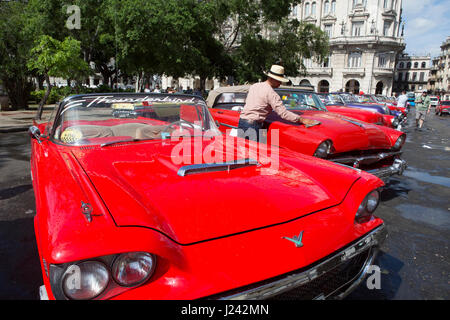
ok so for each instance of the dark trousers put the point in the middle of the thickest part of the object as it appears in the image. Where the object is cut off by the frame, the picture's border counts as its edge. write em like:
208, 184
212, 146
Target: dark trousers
249, 130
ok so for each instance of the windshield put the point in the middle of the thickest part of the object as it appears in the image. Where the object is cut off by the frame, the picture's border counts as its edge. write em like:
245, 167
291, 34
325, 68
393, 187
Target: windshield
445, 103
348, 98
94, 119
298, 100
330, 98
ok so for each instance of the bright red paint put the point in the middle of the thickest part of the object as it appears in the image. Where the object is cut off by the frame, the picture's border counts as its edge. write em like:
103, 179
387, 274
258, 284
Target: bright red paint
349, 137
211, 232
442, 107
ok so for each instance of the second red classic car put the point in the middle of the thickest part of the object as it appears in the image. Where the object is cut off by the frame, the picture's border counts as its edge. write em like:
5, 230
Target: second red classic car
128, 206
443, 108
375, 149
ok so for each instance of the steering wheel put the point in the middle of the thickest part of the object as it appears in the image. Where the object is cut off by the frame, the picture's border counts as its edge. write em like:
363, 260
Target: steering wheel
175, 123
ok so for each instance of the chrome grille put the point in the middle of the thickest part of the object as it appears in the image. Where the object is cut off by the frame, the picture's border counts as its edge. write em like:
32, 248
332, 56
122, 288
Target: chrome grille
334, 280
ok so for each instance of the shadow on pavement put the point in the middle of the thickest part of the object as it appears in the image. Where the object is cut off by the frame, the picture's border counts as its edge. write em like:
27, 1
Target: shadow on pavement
14, 191
20, 271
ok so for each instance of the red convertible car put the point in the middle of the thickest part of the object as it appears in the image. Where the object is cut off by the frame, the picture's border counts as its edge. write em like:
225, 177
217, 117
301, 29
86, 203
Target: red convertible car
341, 139
443, 107
334, 103
128, 206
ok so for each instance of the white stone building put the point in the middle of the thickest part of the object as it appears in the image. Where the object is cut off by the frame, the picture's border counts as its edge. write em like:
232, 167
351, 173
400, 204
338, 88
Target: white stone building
440, 72
365, 38
412, 73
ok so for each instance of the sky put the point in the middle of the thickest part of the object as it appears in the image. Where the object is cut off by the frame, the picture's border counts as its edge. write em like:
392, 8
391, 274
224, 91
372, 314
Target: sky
427, 25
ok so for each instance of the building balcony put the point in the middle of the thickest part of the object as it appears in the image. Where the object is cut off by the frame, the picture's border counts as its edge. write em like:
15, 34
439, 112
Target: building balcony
379, 71
370, 40
354, 72
318, 71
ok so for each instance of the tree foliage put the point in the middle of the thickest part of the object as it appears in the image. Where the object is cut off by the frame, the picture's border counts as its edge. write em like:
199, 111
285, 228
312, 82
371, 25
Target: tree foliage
53, 58
205, 38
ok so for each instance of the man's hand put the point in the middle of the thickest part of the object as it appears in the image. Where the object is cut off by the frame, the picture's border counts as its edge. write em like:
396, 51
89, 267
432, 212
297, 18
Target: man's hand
309, 122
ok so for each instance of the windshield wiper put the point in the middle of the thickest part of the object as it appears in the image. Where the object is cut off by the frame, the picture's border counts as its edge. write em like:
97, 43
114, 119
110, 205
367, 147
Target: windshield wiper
310, 105
120, 141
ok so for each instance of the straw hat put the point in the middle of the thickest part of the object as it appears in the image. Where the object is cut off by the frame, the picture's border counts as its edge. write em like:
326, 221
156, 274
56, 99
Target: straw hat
277, 72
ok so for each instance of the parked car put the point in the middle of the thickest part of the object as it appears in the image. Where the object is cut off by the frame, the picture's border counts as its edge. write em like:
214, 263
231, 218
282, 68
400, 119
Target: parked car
396, 119
119, 216
394, 110
443, 107
376, 149
334, 103
411, 99
434, 101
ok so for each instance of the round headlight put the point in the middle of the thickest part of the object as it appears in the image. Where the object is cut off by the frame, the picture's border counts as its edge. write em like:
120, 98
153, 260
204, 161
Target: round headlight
399, 143
323, 150
85, 280
373, 199
133, 268
367, 207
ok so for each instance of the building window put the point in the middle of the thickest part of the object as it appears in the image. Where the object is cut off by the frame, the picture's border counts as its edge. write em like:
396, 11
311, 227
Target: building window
386, 4
333, 6
357, 28
326, 7
424, 65
414, 78
416, 65
422, 76
400, 66
307, 63
386, 28
408, 65
313, 9
326, 63
407, 76
294, 10
328, 28
354, 60
307, 6
381, 61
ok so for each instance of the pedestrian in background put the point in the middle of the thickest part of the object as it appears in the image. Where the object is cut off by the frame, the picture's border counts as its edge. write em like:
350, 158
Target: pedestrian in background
422, 108
402, 99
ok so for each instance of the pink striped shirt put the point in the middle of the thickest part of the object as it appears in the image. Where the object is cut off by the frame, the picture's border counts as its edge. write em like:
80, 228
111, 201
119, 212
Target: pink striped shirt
261, 100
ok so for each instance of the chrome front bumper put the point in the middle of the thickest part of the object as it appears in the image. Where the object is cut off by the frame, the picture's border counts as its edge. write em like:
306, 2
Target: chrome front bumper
397, 167
268, 289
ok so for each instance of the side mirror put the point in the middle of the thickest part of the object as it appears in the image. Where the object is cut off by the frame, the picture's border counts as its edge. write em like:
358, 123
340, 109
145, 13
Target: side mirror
35, 133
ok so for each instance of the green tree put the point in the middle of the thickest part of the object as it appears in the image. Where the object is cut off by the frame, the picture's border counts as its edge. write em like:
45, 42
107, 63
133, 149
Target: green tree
258, 33
14, 49
54, 58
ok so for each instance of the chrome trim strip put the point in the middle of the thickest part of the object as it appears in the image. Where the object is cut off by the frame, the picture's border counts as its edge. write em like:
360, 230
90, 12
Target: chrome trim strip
371, 241
361, 159
227, 125
211, 167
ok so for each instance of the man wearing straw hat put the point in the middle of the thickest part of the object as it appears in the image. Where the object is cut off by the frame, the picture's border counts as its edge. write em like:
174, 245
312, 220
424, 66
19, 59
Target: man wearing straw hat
261, 100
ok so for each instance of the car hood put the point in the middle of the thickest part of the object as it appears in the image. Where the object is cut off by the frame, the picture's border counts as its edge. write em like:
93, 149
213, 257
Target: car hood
349, 134
141, 186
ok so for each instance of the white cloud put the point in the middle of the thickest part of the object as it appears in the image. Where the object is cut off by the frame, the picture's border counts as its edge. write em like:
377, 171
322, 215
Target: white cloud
427, 25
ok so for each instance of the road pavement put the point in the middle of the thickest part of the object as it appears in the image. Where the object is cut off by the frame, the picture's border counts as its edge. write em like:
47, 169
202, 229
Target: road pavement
414, 261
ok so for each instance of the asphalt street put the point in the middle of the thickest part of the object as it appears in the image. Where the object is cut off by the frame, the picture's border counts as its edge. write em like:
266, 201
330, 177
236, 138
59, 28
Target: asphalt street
414, 260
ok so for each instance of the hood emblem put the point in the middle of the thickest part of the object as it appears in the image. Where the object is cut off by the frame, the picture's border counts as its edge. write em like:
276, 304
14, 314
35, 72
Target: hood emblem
86, 210
296, 240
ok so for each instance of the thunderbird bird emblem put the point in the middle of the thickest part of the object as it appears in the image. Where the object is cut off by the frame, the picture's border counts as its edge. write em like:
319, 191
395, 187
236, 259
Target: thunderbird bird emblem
296, 240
